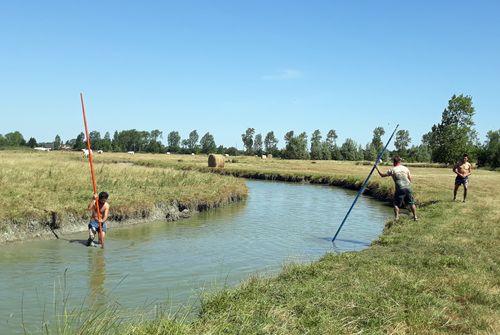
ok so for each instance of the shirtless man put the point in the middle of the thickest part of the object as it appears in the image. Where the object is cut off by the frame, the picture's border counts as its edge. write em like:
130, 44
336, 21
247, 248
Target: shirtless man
402, 180
463, 170
94, 223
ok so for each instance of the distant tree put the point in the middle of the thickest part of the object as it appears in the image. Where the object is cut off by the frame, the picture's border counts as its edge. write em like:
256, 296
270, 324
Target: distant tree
377, 138
191, 143
79, 142
489, 153
156, 135
296, 146
350, 150
455, 134
95, 140
325, 151
402, 142
271, 143
154, 145
116, 144
3, 141
220, 150
15, 139
57, 142
106, 143
174, 141
370, 153
331, 141
31, 143
247, 139
207, 143
232, 151
257, 145
316, 149
420, 153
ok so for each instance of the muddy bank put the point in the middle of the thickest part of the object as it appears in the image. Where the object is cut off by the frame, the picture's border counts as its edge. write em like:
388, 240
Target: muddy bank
55, 225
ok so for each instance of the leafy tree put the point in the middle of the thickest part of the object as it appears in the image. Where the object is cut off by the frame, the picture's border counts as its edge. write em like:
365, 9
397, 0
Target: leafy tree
79, 142
3, 141
232, 151
95, 140
331, 141
247, 139
154, 144
316, 148
402, 142
455, 134
106, 143
257, 144
271, 143
489, 154
57, 142
420, 153
325, 151
174, 141
191, 143
377, 139
296, 146
370, 153
207, 143
350, 151
31, 143
156, 135
15, 139
117, 145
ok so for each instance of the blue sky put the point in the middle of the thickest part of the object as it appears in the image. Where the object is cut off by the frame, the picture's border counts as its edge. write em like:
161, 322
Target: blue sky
223, 66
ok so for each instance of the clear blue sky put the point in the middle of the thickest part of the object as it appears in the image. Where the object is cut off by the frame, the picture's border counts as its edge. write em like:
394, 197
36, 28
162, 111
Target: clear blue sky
223, 66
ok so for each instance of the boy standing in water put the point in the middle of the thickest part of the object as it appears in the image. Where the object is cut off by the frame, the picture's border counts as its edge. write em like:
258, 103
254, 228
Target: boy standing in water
463, 170
402, 180
94, 223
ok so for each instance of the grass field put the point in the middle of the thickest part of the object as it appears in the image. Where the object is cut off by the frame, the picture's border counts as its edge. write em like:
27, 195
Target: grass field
437, 275
35, 185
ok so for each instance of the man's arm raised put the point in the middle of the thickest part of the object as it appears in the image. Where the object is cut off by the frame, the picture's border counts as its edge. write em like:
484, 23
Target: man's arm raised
380, 173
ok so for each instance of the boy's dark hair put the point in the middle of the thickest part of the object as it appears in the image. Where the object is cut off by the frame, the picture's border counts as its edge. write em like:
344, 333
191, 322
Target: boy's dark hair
465, 155
396, 159
103, 196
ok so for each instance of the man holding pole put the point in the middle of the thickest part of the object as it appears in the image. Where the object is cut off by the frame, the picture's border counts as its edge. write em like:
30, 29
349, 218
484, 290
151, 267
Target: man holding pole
98, 202
403, 192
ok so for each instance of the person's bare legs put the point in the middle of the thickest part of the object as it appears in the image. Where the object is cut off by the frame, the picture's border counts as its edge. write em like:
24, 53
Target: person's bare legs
455, 192
91, 237
396, 212
414, 211
465, 191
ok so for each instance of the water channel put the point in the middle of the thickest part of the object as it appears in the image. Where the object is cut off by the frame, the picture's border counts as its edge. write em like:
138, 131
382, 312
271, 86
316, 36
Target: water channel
172, 263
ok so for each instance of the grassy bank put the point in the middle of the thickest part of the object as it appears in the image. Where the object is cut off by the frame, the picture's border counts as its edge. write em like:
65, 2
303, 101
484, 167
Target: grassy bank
437, 275
54, 188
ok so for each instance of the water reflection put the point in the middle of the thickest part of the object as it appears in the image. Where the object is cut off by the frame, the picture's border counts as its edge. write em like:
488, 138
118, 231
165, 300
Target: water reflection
97, 277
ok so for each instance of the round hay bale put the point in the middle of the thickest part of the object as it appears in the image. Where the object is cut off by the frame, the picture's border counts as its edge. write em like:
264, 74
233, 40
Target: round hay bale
215, 161
263, 157
269, 156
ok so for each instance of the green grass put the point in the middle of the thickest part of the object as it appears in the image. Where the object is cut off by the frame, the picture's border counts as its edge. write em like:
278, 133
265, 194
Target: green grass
438, 275
36, 185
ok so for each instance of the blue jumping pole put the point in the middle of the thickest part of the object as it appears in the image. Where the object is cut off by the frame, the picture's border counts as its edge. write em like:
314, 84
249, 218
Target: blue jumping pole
365, 183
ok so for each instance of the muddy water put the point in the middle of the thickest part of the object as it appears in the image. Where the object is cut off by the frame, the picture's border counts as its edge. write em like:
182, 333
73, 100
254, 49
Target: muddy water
172, 263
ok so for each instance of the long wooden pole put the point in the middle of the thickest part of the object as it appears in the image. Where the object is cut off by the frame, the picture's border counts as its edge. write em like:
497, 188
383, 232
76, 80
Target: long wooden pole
92, 174
364, 184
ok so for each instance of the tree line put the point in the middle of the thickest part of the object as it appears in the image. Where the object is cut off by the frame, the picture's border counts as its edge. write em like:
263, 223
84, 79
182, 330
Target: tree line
445, 142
